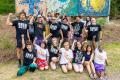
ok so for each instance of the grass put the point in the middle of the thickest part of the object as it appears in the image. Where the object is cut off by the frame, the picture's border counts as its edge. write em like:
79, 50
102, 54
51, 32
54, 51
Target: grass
6, 44
113, 51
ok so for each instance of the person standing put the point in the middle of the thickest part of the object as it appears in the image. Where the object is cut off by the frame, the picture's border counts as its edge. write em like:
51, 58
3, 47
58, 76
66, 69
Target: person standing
77, 28
21, 25
94, 31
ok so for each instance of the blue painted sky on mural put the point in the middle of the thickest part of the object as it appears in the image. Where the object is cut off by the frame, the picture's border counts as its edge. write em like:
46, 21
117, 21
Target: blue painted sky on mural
31, 5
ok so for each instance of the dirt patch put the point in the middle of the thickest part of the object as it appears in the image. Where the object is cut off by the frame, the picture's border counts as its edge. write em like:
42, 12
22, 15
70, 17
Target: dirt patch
111, 32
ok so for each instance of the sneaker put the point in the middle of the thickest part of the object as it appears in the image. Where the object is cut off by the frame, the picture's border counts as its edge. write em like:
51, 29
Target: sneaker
91, 76
95, 76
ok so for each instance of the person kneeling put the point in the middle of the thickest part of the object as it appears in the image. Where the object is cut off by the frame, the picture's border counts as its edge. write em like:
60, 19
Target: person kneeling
66, 58
78, 59
42, 56
29, 58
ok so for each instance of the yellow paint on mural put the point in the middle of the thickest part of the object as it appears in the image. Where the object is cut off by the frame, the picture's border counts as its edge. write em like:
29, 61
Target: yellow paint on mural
97, 4
84, 3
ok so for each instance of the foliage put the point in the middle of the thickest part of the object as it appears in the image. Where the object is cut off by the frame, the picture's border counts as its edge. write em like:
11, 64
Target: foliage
115, 8
6, 43
101, 21
7, 6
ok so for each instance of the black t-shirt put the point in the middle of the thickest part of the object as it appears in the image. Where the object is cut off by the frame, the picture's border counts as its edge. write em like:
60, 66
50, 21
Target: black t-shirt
53, 50
21, 28
77, 27
78, 56
93, 30
28, 57
65, 29
39, 31
54, 29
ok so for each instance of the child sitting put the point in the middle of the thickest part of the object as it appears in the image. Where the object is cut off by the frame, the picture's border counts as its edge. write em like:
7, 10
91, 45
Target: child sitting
100, 60
78, 57
29, 58
66, 57
42, 56
89, 62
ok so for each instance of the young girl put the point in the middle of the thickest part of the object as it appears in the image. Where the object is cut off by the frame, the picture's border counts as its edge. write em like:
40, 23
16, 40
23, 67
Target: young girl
100, 60
29, 58
31, 29
21, 26
54, 52
39, 30
88, 21
66, 57
42, 56
65, 28
89, 62
78, 57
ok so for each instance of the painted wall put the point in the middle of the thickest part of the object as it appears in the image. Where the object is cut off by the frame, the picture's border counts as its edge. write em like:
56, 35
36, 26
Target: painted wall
68, 7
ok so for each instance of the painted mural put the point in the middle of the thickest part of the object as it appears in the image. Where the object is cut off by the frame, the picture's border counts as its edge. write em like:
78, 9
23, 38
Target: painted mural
68, 7
94, 7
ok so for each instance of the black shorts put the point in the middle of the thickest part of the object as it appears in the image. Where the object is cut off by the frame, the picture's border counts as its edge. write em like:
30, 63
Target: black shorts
19, 43
51, 56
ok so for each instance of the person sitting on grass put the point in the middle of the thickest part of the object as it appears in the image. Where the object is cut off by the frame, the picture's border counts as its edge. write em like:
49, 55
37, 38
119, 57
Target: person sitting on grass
78, 59
66, 57
89, 62
100, 60
29, 58
54, 53
42, 56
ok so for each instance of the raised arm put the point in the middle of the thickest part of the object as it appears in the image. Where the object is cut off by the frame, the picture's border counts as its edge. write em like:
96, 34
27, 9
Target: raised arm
73, 45
8, 22
23, 41
48, 36
61, 33
31, 20
28, 35
60, 44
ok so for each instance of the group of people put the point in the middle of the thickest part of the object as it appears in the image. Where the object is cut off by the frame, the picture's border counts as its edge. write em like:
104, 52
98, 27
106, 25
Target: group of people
54, 41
